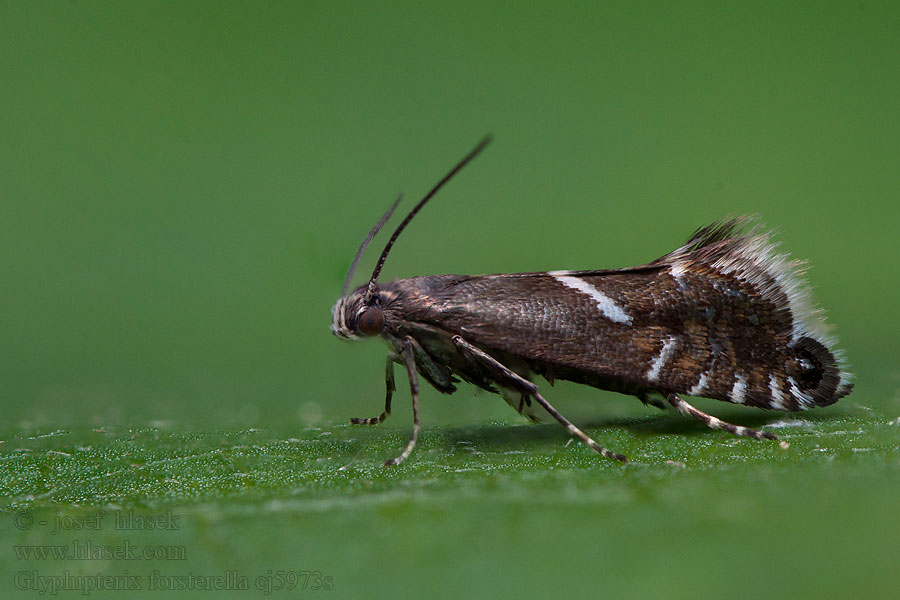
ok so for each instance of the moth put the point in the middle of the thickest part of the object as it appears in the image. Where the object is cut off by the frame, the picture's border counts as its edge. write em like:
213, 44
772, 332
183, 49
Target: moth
724, 317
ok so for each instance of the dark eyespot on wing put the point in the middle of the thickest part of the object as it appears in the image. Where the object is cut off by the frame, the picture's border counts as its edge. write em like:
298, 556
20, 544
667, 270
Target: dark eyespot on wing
818, 374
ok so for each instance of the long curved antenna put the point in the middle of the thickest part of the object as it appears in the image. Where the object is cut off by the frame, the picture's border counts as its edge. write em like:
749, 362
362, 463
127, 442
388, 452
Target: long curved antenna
362, 247
387, 248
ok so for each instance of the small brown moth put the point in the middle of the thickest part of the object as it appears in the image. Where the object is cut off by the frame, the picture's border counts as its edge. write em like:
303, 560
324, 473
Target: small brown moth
721, 317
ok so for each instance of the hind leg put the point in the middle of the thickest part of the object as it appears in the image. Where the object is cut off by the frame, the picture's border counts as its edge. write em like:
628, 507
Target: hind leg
716, 423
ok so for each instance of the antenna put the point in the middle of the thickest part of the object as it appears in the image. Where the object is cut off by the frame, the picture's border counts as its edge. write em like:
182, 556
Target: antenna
387, 248
365, 243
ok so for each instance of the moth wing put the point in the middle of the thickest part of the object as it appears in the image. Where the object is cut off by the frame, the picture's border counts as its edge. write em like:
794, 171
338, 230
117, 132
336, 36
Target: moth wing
723, 316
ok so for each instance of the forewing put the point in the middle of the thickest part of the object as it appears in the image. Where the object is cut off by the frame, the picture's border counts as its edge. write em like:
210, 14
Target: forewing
722, 317
604, 322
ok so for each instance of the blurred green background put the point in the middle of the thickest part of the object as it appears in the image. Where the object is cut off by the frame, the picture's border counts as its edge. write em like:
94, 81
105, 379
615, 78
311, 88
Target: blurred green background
183, 184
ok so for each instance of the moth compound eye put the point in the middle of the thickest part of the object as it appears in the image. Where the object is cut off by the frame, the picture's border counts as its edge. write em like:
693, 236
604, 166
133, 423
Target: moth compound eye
370, 321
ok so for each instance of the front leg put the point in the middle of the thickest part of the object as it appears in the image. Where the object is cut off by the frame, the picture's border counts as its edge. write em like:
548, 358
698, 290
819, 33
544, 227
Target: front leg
410, 359
505, 376
389, 389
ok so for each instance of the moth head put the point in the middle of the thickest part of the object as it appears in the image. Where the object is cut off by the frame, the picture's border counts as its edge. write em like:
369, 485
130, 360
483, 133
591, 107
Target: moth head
353, 318
361, 314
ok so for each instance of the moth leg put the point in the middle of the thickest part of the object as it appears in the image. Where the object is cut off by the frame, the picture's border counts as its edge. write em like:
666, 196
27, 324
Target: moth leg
653, 401
410, 359
519, 401
516, 381
716, 423
389, 389
524, 400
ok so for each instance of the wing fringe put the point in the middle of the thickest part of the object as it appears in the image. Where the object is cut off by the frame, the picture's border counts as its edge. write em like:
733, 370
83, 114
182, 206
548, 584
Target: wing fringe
742, 247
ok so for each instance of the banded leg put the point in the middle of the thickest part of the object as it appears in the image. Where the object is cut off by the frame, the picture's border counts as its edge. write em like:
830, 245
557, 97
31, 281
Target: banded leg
410, 360
389, 388
716, 423
512, 379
